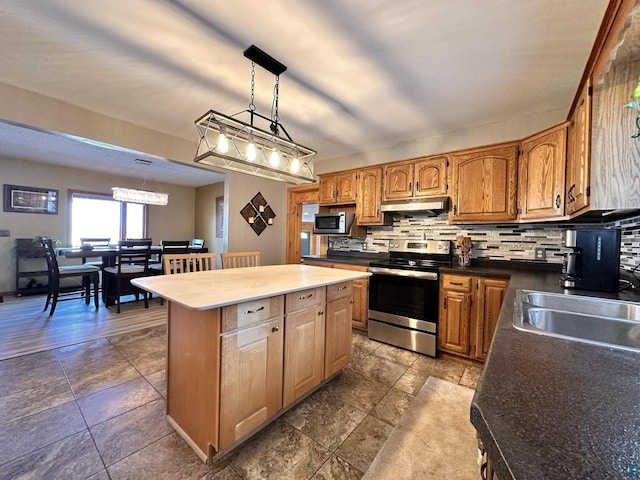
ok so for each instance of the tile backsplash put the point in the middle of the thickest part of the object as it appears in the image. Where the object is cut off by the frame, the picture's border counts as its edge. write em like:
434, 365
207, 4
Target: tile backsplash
494, 242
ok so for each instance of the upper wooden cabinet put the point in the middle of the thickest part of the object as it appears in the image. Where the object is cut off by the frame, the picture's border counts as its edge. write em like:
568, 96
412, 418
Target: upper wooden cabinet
484, 184
369, 197
541, 170
579, 154
425, 177
338, 188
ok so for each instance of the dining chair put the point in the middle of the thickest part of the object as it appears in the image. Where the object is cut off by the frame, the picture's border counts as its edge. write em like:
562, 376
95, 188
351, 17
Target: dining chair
197, 243
132, 261
240, 259
188, 262
88, 243
87, 273
168, 247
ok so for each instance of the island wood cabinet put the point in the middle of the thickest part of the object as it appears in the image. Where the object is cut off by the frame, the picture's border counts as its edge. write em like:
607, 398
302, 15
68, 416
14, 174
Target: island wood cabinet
360, 291
579, 154
426, 177
338, 188
542, 174
252, 368
484, 184
338, 331
469, 310
231, 370
369, 197
304, 343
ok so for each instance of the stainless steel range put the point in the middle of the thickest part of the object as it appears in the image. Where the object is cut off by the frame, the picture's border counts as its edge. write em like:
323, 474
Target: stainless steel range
403, 294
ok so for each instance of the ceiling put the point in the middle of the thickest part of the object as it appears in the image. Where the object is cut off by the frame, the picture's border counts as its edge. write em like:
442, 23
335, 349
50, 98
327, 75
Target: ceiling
362, 74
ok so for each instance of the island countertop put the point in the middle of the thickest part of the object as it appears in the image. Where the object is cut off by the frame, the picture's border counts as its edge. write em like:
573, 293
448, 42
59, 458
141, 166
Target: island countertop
218, 288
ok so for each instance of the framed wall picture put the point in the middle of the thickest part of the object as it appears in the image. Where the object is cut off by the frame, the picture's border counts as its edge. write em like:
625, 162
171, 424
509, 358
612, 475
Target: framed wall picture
219, 217
30, 199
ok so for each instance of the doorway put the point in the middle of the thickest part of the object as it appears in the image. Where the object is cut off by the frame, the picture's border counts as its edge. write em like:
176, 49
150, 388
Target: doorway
297, 200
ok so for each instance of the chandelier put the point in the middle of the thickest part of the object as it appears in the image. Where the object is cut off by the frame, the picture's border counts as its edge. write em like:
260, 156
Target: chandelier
229, 143
139, 196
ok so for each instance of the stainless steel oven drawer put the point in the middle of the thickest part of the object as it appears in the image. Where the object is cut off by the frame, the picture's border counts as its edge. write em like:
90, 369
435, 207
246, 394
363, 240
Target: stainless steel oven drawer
422, 325
402, 337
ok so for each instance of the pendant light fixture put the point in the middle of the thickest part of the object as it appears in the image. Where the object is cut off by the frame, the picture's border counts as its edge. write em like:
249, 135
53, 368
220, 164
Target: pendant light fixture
229, 143
131, 195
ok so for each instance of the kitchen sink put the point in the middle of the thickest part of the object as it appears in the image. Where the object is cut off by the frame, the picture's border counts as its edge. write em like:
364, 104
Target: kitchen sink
585, 319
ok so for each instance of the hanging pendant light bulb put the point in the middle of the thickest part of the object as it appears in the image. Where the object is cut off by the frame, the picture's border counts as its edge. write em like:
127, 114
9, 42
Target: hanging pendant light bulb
252, 153
223, 143
274, 158
295, 165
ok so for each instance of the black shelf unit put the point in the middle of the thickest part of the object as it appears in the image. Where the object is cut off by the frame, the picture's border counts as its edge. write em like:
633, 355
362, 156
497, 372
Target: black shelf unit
30, 281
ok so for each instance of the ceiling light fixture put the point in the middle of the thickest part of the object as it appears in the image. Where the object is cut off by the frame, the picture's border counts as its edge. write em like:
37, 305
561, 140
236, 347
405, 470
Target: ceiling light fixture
139, 196
232, 144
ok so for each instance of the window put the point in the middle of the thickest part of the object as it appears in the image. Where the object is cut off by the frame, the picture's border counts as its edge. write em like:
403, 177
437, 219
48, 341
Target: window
95, 215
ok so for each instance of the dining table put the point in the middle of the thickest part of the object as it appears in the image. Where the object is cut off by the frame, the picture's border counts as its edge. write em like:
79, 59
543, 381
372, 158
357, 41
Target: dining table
109, 255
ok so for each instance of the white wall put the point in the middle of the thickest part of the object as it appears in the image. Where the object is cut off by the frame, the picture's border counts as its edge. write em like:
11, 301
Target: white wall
240, 189
206, 211
176, 221
505, 131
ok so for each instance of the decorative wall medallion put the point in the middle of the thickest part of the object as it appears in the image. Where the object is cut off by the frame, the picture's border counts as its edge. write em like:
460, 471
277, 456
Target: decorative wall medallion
258, 214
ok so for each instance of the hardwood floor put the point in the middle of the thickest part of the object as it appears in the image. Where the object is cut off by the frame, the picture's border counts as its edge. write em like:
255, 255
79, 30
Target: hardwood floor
25, 328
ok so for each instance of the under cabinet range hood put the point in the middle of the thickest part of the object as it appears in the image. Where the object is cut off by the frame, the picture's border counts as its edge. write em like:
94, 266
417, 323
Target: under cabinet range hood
432, 206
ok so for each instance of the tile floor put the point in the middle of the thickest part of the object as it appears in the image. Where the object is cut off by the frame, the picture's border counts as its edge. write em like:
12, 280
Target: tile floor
96, 411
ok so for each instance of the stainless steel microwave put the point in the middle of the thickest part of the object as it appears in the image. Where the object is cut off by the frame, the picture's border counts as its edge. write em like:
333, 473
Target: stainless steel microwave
338, 223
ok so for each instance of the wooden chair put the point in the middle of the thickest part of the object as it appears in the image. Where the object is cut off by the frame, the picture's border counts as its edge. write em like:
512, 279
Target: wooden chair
240, 259
188, 262
132, 262
169, 247
88, 273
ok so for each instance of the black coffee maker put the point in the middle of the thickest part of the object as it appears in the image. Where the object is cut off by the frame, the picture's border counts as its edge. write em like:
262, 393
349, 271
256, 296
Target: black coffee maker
594, 260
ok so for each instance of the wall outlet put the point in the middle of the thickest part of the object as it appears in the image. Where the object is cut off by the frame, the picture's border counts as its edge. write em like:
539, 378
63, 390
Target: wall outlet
5, 233
540, 254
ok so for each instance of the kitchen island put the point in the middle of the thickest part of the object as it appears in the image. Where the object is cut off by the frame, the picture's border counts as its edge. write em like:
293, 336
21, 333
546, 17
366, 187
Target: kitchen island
246, 344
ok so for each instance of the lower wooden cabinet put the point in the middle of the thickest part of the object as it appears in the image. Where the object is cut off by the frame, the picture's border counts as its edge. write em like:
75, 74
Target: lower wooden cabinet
454, 321
250, 379
338, 335
281, 349
303, 352
469, 310
360, 308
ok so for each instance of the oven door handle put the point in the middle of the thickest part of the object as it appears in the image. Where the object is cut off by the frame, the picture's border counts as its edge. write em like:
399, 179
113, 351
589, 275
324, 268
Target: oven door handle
404, 273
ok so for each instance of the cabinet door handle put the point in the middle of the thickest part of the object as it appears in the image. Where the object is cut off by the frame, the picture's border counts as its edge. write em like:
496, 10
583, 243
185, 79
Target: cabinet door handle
377, 212
321, 312
410, 184
455, 210
254, 311
304, 298
341, 288
417, 186
558, 201
570, 193
444, 303
352, 302
456, 283
275, 329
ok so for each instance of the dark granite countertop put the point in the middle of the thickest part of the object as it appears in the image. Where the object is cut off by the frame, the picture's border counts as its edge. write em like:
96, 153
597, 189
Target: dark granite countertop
548, 408
351, 258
